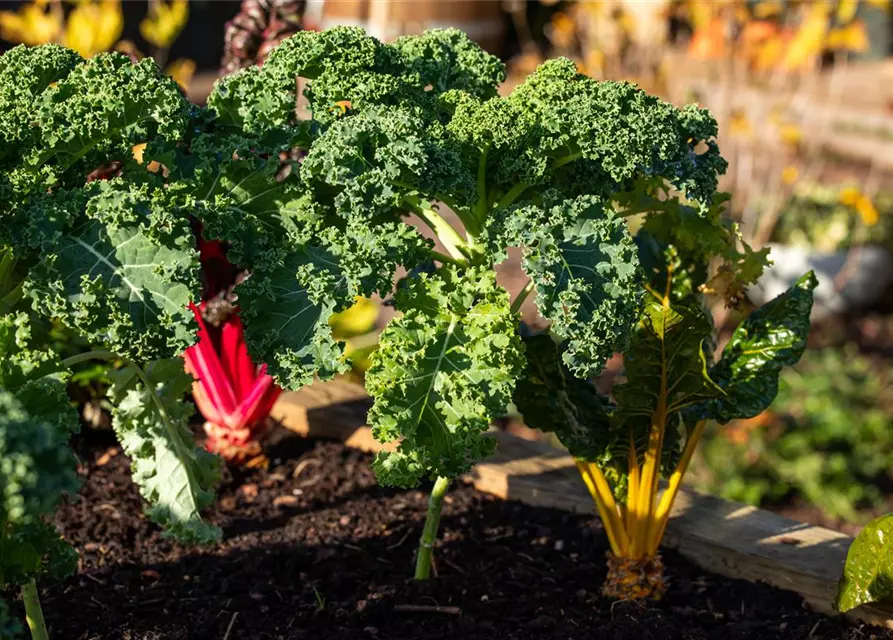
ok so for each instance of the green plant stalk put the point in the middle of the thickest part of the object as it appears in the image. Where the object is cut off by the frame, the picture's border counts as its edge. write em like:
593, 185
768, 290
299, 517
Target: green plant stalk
33, 612
522, 296
429, 533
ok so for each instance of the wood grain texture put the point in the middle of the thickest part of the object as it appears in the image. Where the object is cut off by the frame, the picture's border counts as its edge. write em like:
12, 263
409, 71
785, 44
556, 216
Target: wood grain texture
724, 537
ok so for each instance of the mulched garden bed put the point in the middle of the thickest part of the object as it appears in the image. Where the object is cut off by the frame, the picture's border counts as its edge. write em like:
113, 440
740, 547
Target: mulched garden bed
313, 548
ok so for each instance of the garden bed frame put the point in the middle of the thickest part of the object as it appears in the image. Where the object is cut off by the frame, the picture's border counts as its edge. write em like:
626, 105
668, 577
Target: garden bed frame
718, 535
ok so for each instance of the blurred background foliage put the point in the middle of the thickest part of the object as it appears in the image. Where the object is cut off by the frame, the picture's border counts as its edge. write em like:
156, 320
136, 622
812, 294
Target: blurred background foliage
827, 441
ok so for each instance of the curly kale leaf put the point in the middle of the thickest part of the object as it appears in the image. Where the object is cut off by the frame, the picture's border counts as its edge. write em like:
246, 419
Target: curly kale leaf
106, 104
553, 400
36, 465
379, 157
124, 277
561, 129
286, 305
152, 424
36, 420
446, 59
772, 337
25, 72
585, 267
344, 66
443, 371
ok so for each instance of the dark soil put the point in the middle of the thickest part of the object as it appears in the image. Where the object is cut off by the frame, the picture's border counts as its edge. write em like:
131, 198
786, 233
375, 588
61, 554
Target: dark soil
313, 548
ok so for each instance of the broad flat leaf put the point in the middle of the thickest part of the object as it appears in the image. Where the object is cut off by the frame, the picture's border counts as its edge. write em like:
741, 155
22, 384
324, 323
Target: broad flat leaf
585, 267
772, 337
868, 572
173, 475
120, 288
666, 372
553, 400
286, 308
442, 372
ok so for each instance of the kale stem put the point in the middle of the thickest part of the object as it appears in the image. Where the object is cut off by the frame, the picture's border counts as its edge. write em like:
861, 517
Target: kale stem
480, 208
33, 612
513, 194
99, 354
521, 297
442, 257
450, 238
429, 533
567, 159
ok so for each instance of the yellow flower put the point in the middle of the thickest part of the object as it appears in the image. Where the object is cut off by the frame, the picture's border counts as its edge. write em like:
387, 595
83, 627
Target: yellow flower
790, 174
739, 125
850, 196
866, 210
852, 37
164, 22
34, 23
94, 27
182, 71
790, 134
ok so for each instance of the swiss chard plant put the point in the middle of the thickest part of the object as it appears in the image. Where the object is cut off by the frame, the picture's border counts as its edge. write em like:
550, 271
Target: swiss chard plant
673, 384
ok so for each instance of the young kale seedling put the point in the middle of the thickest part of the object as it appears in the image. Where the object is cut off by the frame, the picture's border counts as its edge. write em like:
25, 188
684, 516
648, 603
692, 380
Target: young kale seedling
416, 127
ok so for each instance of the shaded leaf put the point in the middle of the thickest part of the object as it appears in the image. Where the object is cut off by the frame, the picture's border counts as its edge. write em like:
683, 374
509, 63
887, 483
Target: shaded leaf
553, 400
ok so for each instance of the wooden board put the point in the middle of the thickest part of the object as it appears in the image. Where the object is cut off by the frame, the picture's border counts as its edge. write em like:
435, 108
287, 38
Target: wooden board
724, 537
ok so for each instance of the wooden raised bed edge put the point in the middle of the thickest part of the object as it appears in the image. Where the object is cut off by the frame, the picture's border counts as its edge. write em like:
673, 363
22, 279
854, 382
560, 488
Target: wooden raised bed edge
720, 536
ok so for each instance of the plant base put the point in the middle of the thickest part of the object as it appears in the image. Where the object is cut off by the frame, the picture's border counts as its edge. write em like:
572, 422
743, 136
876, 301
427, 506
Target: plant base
635, 579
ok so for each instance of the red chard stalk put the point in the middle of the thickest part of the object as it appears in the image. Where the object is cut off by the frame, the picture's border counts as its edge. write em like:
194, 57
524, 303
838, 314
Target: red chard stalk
233, 394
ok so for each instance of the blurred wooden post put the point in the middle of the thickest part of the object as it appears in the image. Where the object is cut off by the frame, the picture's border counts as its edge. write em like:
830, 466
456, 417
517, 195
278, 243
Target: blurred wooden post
483, 20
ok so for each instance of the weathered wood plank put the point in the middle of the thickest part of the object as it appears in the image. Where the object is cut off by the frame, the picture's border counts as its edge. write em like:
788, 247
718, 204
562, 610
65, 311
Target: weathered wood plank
720, 536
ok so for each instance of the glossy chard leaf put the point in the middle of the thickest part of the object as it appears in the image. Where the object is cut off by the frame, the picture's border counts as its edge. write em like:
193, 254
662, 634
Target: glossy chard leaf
772, 337
442, 372
586, 270
553, 400
868, 572
151, 421
666, 373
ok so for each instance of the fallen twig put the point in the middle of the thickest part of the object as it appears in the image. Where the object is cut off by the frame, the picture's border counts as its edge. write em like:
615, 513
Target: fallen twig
426, 608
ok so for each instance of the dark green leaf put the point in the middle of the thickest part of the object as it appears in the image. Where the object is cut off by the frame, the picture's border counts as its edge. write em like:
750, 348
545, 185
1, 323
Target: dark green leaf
585, 267
553, 400
771, 337
666, 372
